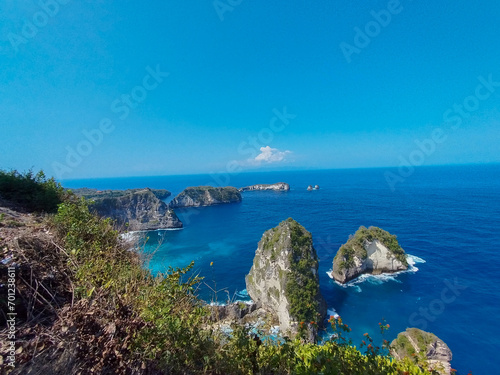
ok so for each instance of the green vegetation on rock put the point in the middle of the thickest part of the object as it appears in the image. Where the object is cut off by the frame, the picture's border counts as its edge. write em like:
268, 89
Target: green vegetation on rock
223, 194
354, 246
302, 288
205, 196
421, 338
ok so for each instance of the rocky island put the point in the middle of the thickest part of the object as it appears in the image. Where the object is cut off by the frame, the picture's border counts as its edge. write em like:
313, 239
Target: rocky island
280, 186
284, 280
135, 209
414, 342
370, 250
206, 196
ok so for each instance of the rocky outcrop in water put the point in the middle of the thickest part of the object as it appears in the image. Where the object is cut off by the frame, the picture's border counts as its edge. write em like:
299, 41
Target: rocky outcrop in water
370, 250
284, 279
137, 210
280, 186
414, 341
206, 196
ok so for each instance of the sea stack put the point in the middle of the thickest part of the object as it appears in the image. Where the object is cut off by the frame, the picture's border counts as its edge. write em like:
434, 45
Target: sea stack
370, 250
279, 186
414, 341
284, 280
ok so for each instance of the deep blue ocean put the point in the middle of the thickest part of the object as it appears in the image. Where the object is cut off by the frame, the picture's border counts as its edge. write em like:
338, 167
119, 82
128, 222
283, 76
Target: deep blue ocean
446, 217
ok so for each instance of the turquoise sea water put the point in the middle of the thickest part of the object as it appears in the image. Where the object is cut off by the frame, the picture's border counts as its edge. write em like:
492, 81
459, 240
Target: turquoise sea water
447, 217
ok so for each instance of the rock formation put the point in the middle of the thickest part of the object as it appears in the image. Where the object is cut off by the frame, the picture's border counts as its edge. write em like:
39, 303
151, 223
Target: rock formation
414, 341
280, 186
233, 312
141, 209
206, 196
284, 279
371, 250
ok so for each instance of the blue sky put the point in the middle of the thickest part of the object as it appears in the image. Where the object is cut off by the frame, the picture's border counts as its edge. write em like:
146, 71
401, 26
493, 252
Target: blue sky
250, 85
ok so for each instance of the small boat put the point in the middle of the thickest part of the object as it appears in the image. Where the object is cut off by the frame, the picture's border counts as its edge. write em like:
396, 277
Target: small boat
309, 188
316, 187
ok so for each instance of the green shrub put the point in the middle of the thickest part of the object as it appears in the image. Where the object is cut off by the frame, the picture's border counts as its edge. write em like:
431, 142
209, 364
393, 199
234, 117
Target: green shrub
34, 192
174, 333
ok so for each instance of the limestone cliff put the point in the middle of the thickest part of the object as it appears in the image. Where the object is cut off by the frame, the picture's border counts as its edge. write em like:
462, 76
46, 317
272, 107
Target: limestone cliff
414, 342
371, 250
206, 196
141, 209
280, 186
284, 279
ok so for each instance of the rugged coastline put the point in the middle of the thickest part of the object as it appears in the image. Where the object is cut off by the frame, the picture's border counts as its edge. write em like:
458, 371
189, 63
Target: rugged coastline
135, 209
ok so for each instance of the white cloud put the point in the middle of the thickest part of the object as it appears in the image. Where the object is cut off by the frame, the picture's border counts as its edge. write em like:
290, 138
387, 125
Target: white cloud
271, 155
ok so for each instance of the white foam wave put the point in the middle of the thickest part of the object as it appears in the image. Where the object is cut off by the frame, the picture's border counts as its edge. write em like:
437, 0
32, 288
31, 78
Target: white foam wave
332, 312
243, 294
412, 259
382, 278
132, 235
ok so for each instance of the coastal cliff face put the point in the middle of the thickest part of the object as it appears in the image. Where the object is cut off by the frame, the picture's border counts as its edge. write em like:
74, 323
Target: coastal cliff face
284, 279
371, 250
141, 209
99, 194
280, 186
206, 196
414, 341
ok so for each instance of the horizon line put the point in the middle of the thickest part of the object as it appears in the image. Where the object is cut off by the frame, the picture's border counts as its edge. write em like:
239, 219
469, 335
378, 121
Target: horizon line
296, 169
